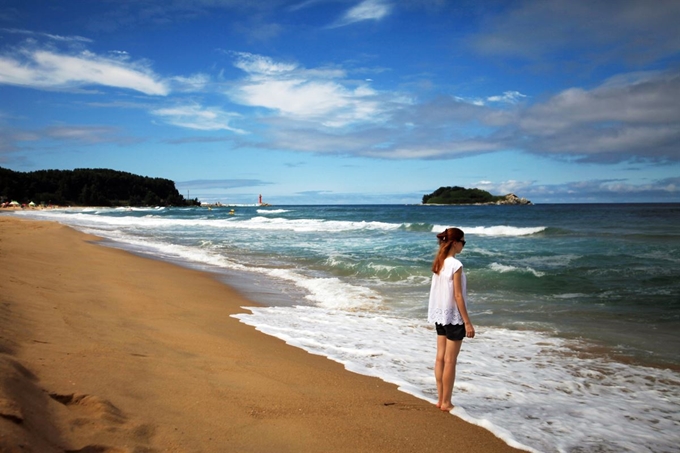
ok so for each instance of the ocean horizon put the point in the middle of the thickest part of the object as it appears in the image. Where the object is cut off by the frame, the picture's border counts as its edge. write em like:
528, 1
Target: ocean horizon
576, 306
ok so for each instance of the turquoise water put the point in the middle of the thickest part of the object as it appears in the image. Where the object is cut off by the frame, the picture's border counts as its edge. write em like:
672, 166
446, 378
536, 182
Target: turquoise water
578, 305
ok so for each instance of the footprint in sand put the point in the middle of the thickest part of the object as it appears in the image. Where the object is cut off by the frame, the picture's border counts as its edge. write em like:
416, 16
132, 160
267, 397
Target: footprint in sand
101, 417
97, 449
91, 406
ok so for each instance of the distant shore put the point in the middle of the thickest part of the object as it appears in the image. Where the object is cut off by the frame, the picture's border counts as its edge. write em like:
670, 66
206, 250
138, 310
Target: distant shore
102, 350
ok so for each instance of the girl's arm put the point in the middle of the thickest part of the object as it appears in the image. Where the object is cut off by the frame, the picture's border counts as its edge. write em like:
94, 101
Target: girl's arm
460, 303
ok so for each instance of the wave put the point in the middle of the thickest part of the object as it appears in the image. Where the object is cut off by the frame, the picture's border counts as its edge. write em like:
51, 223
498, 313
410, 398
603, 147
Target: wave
272, 211
382, 270
133, 209
331, 293
418, 227
498, 230
313, 225
262, 222
84, 218
502, 268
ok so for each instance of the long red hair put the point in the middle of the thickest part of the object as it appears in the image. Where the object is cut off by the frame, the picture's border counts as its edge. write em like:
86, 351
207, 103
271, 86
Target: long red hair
446, 240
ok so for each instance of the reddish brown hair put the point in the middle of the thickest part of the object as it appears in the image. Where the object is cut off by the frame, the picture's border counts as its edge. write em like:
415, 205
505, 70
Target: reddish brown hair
446, 240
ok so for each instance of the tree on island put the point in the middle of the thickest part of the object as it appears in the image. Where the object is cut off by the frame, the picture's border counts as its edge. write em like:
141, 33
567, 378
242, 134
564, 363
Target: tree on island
461, 195
89, 187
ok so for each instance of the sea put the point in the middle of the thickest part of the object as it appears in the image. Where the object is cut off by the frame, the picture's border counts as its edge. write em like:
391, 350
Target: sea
576, 306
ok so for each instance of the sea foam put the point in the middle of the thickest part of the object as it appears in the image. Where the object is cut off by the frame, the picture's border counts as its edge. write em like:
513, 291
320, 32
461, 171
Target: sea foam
535, 391
498, 230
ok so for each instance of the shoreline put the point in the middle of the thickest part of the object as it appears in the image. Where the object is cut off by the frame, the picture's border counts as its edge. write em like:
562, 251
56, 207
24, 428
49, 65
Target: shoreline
101, 348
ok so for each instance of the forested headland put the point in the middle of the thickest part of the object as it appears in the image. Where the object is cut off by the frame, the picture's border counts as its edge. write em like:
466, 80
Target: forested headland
461, 195
88, 187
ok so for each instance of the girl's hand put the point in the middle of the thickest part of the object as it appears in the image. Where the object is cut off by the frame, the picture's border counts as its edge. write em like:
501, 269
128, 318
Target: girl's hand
469, 330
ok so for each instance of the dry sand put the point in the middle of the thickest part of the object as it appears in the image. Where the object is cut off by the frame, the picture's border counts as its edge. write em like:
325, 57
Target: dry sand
104, 351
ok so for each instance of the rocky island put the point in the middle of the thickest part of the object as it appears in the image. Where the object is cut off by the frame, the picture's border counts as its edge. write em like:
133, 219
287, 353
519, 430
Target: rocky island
462, 196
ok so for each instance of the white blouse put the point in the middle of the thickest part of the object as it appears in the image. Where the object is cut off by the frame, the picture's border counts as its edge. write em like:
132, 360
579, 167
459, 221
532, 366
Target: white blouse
443, 309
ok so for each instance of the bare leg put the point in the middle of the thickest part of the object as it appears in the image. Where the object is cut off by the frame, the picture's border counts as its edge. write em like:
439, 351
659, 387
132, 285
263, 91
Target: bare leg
449, 373
439, 367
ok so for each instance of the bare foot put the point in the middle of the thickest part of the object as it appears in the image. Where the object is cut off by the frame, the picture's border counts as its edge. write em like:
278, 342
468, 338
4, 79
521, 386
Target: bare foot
446, 407
439, 405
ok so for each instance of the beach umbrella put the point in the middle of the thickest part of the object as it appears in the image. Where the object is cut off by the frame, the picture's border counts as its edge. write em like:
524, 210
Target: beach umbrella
14, 203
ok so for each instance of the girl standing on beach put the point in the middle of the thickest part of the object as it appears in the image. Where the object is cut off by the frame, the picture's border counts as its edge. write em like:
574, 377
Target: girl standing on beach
448, 310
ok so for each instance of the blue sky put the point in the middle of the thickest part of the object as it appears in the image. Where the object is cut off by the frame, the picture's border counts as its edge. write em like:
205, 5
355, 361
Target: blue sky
349, 101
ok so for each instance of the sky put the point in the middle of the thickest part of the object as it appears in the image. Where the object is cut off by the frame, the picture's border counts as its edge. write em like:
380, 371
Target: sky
349, 101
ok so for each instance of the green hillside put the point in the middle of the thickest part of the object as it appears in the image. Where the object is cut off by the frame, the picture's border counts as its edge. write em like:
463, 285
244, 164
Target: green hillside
88, 187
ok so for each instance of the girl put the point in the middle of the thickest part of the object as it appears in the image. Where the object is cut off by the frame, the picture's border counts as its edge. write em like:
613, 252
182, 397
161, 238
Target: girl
448, 310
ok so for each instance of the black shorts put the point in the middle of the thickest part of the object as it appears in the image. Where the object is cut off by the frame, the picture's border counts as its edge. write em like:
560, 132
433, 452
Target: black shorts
453, 332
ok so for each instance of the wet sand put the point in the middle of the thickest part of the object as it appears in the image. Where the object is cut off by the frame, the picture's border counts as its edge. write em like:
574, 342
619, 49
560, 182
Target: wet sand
105, 351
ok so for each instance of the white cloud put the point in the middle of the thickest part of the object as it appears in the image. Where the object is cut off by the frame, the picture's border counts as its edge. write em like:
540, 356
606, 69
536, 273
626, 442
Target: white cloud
319, 95
474, 101
261, 65
74, 39
72, 134
660, 190
203, 184
82, 134
366, 10
504, 187
195, 82
508, 97
44, 69
440, 150
197, 117
631, 116
332, 104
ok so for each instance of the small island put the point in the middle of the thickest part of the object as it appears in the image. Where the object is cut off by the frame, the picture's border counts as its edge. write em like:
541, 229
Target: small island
462, 196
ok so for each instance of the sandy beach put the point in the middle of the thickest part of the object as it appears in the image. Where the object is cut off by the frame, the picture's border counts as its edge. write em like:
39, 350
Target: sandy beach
105, 351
